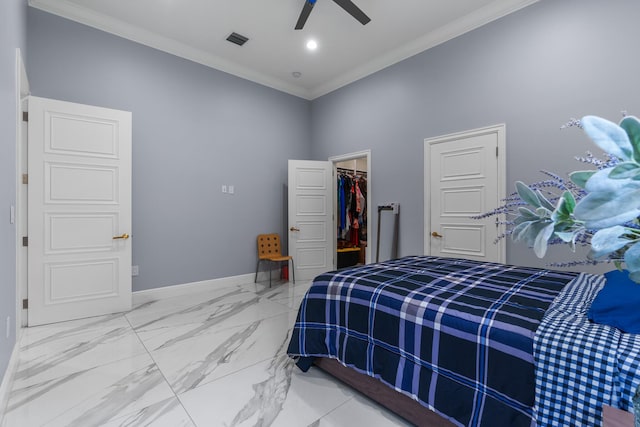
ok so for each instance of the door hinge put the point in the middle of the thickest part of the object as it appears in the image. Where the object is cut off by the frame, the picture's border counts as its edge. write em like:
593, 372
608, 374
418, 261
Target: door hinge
25, 116
25, 178
496, 151
25, 304
25, 241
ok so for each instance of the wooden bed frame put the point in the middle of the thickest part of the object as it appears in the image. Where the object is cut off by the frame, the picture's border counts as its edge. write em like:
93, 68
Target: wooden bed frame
396, 402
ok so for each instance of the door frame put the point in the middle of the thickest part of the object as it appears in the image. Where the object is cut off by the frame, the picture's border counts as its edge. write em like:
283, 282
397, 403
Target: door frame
342, 158
20, 209
500, 131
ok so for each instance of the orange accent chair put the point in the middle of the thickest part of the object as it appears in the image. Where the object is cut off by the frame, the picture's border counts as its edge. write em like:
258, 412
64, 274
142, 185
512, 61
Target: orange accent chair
269, 249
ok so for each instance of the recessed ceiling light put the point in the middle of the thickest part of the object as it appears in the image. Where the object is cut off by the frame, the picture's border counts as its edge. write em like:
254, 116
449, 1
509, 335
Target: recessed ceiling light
312, 45
296, 74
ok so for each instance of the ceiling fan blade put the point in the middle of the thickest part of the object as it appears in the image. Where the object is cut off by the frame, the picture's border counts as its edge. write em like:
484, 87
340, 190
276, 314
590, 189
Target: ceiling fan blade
306, 10
353, 10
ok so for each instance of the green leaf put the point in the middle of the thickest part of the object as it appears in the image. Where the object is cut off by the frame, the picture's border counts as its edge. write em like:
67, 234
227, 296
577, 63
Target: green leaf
541, 242
600, 181
604, 209
569, 201
564, 208
527, 194
520, 219
634, 276
566, 237
625, 170
631, 125
569, 238
608, 136
519, 229
543, 212
527, 214
607, 241
545, 202
632, 261
580, 178
529, 231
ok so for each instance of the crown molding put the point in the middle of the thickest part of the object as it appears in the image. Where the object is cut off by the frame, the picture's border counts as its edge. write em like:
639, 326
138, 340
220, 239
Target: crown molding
467, 23
476, 19
122, 29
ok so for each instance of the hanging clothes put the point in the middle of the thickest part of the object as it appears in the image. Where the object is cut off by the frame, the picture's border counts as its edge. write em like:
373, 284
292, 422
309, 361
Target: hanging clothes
358, 198
352, 208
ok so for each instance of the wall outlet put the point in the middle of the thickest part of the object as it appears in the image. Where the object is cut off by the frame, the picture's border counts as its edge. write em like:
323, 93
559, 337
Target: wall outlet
135, 270
8, 332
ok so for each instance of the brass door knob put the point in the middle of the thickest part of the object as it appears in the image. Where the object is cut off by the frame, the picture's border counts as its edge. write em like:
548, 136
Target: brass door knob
124, 236
294, 229
436, 234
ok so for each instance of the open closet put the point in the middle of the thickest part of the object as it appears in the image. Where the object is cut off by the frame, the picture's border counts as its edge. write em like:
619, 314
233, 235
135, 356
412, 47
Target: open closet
351, 212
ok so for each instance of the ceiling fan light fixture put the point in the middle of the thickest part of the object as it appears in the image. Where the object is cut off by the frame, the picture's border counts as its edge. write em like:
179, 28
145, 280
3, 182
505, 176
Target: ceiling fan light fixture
312, 45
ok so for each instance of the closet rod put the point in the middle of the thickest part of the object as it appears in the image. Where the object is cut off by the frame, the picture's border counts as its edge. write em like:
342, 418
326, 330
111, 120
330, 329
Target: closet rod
351, 171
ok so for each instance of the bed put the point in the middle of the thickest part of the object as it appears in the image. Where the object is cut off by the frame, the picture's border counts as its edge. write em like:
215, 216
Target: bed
444, 341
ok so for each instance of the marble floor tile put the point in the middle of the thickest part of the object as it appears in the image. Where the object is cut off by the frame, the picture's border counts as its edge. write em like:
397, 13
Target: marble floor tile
207, 359
360, 411
90, 397
167, 413
204, 358
47, 357
286, 293
186, 308
270, 393
40, 335
240, 308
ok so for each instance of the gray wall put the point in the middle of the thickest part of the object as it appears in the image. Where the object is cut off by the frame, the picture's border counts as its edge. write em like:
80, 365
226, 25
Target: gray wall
194, 129
533, 70
12, 35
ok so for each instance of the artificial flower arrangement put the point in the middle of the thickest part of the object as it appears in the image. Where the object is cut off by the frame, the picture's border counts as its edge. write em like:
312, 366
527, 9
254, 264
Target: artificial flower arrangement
598, 208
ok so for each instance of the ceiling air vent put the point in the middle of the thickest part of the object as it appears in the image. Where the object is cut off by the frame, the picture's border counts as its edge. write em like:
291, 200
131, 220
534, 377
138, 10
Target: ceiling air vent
238, 39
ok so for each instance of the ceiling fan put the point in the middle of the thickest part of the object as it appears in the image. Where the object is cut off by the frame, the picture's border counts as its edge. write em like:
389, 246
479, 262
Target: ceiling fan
347, 5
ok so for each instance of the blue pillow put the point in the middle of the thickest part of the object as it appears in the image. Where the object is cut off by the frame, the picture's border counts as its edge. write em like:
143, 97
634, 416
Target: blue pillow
618, 303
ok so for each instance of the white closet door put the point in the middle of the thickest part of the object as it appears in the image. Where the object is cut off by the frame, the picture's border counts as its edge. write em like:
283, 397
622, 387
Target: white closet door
311, 230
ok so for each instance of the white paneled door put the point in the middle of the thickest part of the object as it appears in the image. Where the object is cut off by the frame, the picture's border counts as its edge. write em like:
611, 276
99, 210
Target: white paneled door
464, 178
79, 220
311, 231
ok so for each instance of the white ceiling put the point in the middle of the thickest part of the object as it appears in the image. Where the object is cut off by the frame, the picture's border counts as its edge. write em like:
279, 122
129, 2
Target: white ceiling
348, 51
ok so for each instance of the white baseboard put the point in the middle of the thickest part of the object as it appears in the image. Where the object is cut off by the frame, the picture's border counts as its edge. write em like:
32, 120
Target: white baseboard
141, 297
7, 380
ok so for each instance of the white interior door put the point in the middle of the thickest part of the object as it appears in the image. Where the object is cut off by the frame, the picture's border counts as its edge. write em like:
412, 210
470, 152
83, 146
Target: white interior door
79, 204
464, 177
311, 233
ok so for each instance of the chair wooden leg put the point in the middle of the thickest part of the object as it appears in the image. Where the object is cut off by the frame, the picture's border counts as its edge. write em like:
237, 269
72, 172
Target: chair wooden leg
293, 271
270, 269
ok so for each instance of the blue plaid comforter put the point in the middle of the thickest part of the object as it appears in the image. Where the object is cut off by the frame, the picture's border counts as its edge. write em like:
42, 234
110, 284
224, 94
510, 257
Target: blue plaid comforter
456, 335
